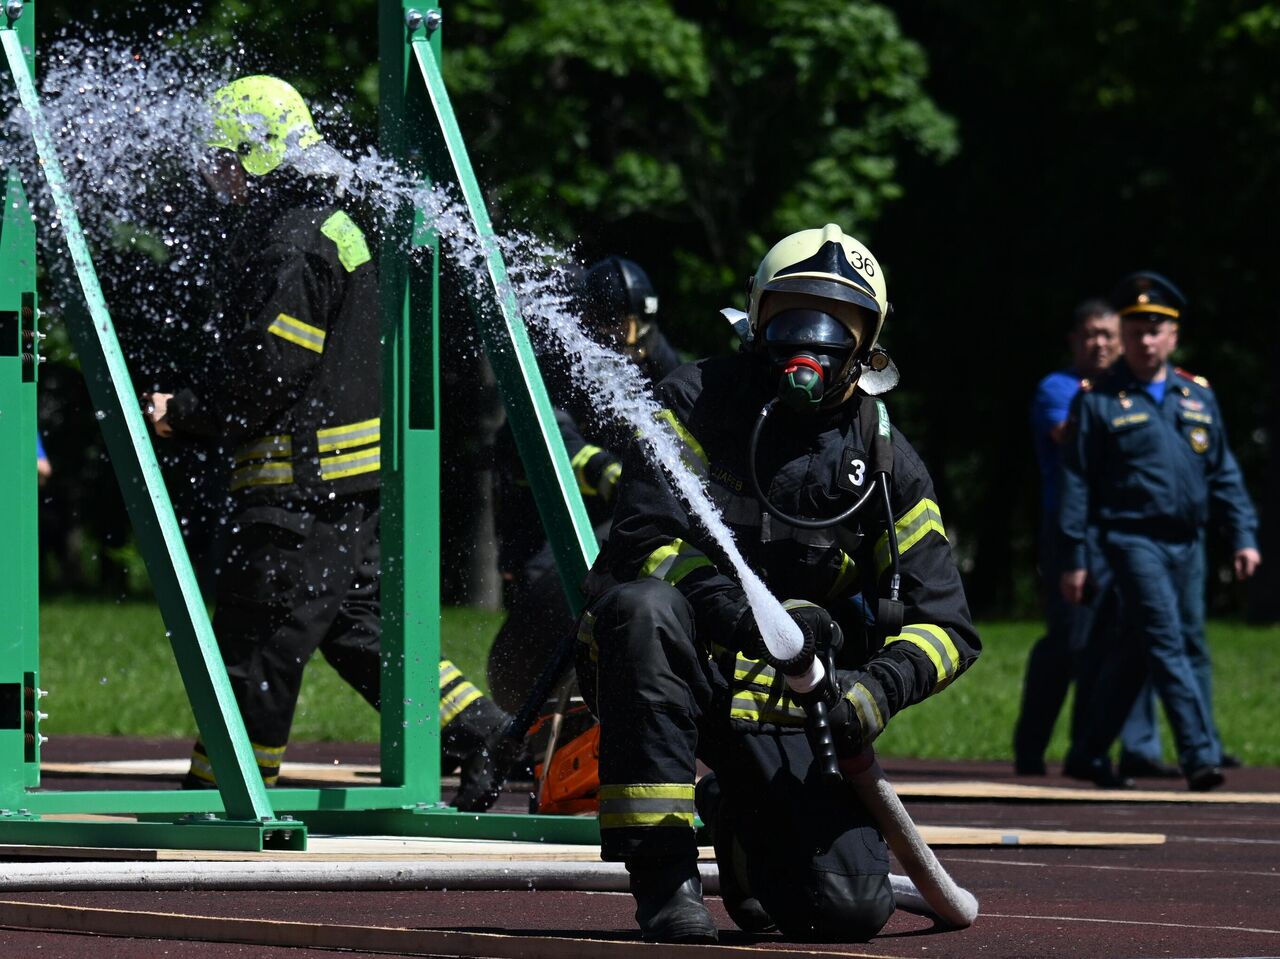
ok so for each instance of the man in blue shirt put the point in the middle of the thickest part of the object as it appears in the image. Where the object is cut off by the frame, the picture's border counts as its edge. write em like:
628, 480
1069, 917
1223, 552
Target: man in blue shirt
1146, 461
1056, 659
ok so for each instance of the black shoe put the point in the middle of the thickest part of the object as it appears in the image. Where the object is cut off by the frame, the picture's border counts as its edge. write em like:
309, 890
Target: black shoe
1230, 761
1140, 767
669, 906
731, 858
1030, 767
1098, 772
484, 772
1203, 778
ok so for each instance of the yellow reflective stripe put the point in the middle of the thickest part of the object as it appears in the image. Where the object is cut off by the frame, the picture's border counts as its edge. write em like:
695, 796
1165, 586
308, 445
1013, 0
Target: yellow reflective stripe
647, 791
350, 464
609, 478
864, 704
579, 464
936, 644
685, 436
448, 673
673, 562
621, 820
201, 768
266, 448
351, 434
295, 331
914, 525
845, 577
353, 251
765, 707
761, 695
268, 757
262, 474
646, 804
456, 701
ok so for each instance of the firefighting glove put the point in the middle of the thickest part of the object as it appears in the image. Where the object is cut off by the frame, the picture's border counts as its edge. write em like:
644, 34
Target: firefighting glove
817, 625
857, 718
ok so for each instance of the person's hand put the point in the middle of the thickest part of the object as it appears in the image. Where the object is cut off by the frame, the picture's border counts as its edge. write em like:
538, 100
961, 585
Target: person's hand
43, 471
1072, 585
815, 624
155, 406
1247, 562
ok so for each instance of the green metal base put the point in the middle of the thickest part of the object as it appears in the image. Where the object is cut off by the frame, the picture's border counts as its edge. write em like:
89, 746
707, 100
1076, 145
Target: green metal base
446, 823
190, 833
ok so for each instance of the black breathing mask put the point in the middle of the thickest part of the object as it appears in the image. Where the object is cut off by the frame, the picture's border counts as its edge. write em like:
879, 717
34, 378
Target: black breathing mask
810, 350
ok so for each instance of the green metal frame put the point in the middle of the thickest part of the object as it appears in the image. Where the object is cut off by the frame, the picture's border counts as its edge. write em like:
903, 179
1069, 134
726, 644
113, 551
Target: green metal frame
420, 131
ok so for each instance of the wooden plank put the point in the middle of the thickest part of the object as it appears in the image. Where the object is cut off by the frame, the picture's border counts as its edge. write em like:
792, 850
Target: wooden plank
941, 836
350, 773
11, 852
1016, 792
135, 924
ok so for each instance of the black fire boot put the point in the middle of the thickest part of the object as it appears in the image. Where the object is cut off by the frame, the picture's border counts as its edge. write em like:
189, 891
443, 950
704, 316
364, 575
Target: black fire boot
731, 858
474, 741
669, 906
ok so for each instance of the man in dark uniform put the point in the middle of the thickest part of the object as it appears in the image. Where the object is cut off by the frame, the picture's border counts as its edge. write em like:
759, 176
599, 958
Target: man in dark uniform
1054, 661
298, 400
671, 657
619, 307
1148, 462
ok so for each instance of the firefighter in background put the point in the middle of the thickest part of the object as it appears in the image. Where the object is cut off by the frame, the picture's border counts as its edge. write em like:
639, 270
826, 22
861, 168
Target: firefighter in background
671, 659
1147, 461
619, 309
298, 398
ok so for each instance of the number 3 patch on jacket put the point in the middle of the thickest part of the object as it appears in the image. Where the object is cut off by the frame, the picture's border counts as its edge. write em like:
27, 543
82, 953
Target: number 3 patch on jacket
853, 470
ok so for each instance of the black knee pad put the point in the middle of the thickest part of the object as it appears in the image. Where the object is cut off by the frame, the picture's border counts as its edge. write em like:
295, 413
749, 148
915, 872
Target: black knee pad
836, 908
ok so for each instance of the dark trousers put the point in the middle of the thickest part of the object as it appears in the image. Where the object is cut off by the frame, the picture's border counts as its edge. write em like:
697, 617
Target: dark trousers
295, 579
1161, 586
538, 618
816, 861
1076, 637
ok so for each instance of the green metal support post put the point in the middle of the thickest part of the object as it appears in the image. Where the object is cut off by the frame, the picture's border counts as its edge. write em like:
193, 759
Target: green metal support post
19, 582
150, 511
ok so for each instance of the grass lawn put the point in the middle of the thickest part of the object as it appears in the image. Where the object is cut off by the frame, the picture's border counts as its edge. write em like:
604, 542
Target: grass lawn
109, 670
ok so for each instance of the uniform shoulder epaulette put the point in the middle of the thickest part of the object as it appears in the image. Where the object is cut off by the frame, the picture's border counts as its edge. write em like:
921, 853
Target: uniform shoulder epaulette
1197, 380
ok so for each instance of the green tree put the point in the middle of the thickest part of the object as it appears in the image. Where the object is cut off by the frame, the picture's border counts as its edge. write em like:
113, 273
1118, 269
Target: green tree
690, 135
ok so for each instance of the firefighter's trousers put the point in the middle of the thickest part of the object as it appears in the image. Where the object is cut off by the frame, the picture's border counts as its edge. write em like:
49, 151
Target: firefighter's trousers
296, 577
814, 858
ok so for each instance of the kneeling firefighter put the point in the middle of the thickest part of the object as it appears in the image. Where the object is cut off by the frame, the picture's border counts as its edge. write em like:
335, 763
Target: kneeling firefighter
837, 514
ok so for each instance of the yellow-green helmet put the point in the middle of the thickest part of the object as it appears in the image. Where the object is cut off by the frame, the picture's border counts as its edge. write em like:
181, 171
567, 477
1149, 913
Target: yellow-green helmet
825, 264
260, 118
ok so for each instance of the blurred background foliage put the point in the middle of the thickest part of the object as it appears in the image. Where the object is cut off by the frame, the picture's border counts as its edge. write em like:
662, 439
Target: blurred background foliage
1004, 161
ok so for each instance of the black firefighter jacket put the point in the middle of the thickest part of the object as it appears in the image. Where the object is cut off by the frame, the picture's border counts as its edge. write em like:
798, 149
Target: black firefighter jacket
296, 392
712, 405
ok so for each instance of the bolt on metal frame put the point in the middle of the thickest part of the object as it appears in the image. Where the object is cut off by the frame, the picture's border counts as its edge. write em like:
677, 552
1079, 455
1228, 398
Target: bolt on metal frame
419, 130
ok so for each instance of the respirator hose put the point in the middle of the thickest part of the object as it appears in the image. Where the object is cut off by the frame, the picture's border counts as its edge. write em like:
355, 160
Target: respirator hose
753, 477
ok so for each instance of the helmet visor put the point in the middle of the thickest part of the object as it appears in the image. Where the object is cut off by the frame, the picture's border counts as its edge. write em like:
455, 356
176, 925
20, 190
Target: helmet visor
808, 328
